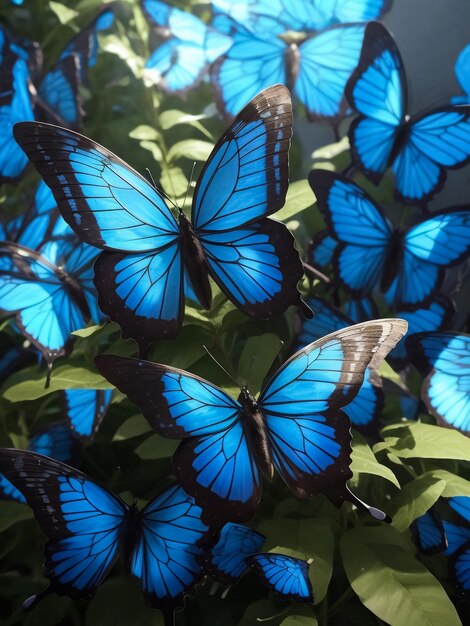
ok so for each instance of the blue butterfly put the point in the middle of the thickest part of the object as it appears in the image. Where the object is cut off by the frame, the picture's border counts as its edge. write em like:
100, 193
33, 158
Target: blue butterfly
456, 535
191, 46
408, 267
285, 575
462, 72
296, 426
445, 359
85, 410
88, 528
321, 250
461, 505
50, 290
429, 534
418, 149
365, 410
227, 560
53, 441
314, 65
140, 276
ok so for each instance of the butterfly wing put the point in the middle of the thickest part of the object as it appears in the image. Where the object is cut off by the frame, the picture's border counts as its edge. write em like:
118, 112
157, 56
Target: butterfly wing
462, 72
358, 224
214, 463
308, 433
56, 441
428, 533
445, 357
432, 144
456, 536
461, 505
59, 95
85, 410
367, 406
226, 561
284, 575
459, 570
360, 309
252, 259
166, 554
359, 10
82, 521
377, 91
321, 250
326, 62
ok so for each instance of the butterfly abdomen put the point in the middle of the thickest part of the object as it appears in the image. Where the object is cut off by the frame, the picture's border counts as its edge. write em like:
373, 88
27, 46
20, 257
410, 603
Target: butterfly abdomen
255, 432
291, 62
194, 262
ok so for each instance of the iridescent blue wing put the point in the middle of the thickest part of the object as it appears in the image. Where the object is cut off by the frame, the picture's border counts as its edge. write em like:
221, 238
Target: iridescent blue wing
326, 62
456, 536
432, 144
9, 491
308, 433
57, 442
431, 319
461, 505
112, 207
321, 250
360, 309
459, 570
85, 410
166, 553
358, 10
428, 533
226, 561
284, 575
252, 259
355, 221
59, 95
377, 91
445, 358
181, 61
213, 463
252, 64
462, 72
365, 409
15, 106
83, 521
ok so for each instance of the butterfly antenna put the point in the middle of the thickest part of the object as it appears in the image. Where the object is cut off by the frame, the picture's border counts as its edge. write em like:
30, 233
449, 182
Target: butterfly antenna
160, 190
190, 182
221, 366
248, 378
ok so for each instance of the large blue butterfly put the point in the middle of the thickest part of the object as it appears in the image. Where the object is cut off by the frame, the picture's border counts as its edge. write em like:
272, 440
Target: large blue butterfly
140, 277
85, 409
462, 72
373, 255
50, 290
296, 426
445, 359
365, 410
285, 575
191, 46
55, 441
88, 528
227, 560
298, 48
419, 149
429, 534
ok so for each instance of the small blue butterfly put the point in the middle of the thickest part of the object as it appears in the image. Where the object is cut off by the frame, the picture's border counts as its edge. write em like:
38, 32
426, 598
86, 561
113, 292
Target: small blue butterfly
372, 254
419, 149
462, 72
296, 426
286, 576
54, 441
140, 276
88, 528
191, 46
429, 534
85, 409
445, 360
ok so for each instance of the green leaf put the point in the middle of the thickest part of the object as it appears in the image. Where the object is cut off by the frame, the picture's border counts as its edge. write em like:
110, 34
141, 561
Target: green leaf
86, 332
154, 149
364, 461
418, 440
144, 133
304, 539
12, 513
256, 359
193, 149
331, 151
455, 485
415, 498
64, 14
303, 616
173, 117
299, 197
119, 603
391, 583
173, 181
156, 447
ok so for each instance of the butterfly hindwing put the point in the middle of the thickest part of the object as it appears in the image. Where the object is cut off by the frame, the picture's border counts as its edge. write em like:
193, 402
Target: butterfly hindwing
85, 409
286, 576
428, 533
59, 95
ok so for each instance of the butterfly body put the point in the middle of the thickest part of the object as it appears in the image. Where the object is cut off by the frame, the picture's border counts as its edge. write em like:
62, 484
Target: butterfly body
194, 261
254, 427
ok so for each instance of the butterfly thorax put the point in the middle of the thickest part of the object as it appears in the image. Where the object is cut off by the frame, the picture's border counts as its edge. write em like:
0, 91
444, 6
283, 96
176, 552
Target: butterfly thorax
130, 531
194, 261
401, 136
291, 63
255, 431
392, 260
